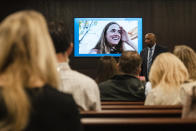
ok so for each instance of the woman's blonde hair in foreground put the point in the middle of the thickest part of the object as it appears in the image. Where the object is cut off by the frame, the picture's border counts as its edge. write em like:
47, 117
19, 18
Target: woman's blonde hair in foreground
167, 71
188, 57
26, 57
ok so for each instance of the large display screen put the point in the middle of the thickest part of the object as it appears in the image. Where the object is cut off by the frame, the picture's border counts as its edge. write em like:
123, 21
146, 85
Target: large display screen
94, 37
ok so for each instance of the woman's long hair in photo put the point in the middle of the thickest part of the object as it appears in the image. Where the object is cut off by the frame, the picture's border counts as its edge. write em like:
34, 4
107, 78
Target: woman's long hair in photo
103, 45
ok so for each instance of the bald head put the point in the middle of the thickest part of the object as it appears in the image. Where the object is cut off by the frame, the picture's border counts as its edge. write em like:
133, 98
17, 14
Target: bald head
150, 39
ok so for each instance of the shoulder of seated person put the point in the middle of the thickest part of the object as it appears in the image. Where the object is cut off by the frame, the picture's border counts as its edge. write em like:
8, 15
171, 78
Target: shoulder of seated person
188, 83
188, 86
83, 78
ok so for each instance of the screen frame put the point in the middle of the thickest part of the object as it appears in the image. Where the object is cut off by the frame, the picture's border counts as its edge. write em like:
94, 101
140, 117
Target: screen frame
76, 35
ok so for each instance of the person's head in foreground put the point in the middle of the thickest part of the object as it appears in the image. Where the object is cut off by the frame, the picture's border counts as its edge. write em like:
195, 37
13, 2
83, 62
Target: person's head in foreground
167, 74
130, 63
27, 60
167, 70
61, 39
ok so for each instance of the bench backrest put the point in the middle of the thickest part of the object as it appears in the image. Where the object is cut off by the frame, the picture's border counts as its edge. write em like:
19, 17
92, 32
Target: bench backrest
138, 124
131, 113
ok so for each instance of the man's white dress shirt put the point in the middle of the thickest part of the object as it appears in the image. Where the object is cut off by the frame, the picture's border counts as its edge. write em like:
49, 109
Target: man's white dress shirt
84, 89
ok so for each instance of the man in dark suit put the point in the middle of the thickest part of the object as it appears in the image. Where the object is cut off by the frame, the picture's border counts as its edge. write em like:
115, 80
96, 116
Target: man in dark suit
149, 53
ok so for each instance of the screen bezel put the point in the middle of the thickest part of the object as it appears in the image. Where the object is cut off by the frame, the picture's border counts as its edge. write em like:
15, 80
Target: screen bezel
76, 35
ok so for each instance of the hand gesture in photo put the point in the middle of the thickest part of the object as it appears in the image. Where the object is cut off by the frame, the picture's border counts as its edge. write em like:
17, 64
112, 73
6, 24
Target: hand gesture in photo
126, 38
133, 33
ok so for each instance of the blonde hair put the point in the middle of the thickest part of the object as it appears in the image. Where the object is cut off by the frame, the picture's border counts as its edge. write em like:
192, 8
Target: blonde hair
188, 57
167, 71
26, 55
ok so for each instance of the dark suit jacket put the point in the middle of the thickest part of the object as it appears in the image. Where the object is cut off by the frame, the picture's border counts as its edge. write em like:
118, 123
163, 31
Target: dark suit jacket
144, 54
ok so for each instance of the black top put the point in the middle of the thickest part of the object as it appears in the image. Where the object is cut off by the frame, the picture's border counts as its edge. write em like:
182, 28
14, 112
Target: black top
122, 88
52, 110
144, 54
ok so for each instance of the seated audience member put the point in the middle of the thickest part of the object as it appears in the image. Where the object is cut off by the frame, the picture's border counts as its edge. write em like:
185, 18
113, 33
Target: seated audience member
28, 78
188, 57
84, 89
125, 86
166, 76
107, 67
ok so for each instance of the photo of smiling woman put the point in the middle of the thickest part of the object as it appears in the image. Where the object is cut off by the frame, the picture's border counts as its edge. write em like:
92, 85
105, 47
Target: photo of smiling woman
112, 40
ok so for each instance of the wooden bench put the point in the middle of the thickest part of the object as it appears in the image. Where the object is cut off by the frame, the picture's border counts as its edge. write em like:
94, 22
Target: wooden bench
131, 113
138, 124
141, 107
121, 103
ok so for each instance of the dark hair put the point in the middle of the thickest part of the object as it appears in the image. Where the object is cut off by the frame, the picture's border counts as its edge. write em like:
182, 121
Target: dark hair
107, 67
60, 35
129, 61
103, 44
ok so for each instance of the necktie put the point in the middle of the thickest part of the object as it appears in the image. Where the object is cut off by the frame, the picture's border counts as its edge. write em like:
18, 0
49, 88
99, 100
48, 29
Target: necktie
149, 61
